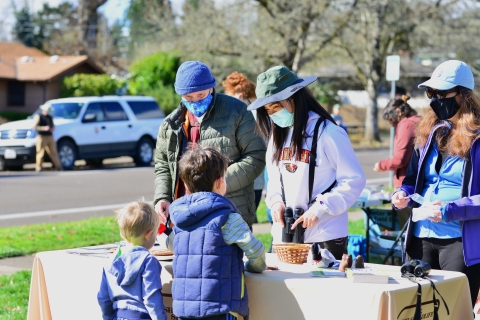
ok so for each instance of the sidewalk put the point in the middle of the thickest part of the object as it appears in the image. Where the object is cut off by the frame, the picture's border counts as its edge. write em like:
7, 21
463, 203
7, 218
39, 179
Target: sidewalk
12, 265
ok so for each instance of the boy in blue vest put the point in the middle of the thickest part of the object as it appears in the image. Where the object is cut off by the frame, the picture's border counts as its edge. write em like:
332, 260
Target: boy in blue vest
209, 240
131, 287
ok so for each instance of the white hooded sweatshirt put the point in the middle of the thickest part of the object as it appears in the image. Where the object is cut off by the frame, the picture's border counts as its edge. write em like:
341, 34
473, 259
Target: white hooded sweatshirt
336, 160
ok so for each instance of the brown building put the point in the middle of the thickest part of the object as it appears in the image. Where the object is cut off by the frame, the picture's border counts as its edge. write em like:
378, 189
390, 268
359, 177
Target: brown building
29, 77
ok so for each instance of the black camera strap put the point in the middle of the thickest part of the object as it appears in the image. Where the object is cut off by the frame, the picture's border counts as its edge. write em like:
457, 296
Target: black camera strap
436, 305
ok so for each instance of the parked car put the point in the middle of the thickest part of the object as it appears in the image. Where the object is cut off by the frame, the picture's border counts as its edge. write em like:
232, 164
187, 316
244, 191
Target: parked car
90, 128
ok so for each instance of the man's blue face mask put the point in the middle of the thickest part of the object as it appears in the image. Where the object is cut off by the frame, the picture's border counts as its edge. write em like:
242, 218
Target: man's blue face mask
198, 108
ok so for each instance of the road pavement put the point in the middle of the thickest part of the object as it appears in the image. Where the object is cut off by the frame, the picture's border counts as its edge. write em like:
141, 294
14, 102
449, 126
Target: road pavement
27, 197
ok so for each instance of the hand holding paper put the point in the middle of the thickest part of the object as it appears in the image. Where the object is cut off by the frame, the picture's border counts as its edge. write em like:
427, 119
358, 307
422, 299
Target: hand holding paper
429, 210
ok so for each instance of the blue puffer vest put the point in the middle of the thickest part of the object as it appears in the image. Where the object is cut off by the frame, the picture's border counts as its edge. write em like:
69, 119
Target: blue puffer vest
208, 273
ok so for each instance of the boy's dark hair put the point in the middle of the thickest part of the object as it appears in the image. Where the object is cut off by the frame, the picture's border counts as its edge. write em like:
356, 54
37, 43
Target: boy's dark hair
200, 167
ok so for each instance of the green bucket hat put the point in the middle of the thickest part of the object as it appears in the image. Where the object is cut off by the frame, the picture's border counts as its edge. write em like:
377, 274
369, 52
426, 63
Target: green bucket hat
276, 84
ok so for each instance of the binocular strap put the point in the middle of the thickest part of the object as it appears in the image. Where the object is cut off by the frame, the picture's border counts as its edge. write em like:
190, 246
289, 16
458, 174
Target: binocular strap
436, 305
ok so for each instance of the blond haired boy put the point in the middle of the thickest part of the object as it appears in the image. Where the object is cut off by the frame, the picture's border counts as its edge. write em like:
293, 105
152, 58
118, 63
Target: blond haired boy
131, 285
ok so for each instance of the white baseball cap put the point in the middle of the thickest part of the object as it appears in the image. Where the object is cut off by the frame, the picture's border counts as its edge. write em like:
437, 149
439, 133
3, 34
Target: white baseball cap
450, 74
45, 107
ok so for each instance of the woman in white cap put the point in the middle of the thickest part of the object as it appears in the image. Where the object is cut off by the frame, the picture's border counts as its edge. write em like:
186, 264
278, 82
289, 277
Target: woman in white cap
322, 181
444, 171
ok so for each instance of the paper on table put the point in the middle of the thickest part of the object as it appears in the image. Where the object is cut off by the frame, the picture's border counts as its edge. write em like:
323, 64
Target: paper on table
103, 253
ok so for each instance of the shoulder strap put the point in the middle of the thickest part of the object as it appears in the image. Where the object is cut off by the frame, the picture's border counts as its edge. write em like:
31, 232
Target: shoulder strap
313, 159
467, 172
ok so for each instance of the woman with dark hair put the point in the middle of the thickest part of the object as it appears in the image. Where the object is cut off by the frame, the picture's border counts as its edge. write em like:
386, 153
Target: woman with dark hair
444, 171
404, 119
311, 164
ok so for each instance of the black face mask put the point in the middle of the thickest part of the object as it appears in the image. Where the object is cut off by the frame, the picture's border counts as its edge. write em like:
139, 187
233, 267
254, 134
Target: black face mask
444, 108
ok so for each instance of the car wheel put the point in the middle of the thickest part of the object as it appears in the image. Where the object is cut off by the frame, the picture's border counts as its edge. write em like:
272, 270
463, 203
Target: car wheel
3, 167
67, 153
94, 162
144, 152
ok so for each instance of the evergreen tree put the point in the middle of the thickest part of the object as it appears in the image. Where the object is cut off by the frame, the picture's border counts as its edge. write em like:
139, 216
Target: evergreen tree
25, 29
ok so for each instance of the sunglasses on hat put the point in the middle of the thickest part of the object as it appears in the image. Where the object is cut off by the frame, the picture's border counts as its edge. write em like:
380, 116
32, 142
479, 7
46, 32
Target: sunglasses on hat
439, 94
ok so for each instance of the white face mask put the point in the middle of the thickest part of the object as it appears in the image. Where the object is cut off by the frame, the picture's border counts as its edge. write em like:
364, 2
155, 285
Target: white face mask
282, 118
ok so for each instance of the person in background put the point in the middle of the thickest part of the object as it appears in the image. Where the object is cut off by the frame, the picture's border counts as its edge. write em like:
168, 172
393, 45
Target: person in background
338, 118
212, 119
444, 170
209, 238
287, 114
404, 119
131, 287
237, 85
43, 124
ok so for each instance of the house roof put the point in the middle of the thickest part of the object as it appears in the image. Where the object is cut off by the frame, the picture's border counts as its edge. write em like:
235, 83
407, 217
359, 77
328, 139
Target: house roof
46, 68
30, 64
9, 52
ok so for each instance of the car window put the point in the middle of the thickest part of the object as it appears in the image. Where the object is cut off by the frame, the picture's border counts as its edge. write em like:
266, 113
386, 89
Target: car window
146, 109
68, 110
114, 111
96, 109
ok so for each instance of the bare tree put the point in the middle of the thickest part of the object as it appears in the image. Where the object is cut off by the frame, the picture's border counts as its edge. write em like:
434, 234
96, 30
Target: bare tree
305, 27
379, 28
88, 22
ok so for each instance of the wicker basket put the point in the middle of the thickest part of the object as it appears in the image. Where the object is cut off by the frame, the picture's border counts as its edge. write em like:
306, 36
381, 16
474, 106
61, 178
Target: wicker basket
292, 252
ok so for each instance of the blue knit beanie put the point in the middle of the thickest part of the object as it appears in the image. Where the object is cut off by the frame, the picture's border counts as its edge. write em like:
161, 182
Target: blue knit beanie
193, 76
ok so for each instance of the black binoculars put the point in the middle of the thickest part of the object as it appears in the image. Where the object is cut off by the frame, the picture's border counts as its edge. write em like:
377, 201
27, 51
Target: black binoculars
416, 267
290, 216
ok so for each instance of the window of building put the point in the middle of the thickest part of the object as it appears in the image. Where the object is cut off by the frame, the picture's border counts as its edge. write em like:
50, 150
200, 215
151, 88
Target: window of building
15, 93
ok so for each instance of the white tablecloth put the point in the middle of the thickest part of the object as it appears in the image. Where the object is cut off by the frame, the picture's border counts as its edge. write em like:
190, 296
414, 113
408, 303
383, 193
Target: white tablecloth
65, 286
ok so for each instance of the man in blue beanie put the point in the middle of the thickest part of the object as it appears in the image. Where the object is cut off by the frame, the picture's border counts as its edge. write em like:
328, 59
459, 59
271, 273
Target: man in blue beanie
215, 120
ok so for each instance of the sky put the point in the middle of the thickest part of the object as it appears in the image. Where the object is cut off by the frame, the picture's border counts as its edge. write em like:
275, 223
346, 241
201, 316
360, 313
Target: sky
112, 9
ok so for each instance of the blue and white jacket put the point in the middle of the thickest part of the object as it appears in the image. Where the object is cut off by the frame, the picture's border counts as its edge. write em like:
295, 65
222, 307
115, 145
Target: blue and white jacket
466, 209
208, 273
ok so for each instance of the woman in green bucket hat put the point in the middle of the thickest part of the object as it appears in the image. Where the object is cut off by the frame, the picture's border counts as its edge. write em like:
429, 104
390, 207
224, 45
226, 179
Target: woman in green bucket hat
322, 181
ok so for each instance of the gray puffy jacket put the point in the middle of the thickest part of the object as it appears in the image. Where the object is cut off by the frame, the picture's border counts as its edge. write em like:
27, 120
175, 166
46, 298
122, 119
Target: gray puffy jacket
227, 126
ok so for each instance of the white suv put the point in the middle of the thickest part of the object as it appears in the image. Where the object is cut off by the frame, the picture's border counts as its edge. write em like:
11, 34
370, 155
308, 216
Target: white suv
90, 128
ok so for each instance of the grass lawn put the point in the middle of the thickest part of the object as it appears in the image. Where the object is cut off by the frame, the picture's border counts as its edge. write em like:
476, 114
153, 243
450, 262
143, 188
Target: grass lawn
24, 240
14, 291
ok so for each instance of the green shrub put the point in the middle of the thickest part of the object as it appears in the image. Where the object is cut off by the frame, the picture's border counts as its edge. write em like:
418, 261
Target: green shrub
151, 71
325, 93
154, 76
80, 85
13, 115
165, 97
